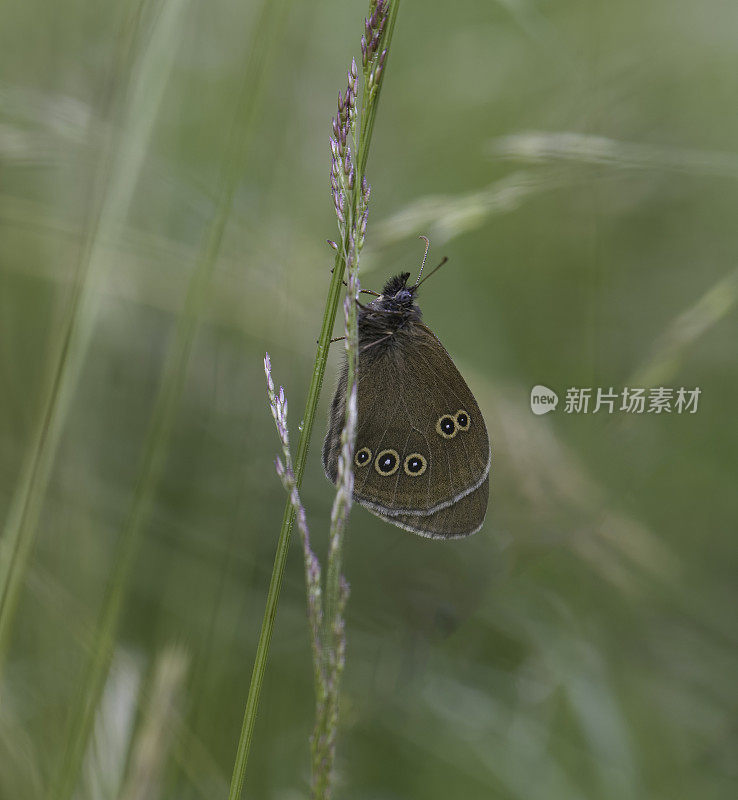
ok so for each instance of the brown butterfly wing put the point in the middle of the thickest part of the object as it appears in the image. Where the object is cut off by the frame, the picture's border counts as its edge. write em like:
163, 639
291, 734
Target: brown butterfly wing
462, 518
404, 390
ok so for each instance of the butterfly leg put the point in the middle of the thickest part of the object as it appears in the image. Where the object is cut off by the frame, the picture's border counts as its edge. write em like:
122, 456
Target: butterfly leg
362, 291
377, 341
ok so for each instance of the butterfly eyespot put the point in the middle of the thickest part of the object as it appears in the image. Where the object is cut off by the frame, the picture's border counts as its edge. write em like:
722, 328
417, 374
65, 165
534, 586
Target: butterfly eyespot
387, 462
463, 420
363, 457
446, 426
414, 465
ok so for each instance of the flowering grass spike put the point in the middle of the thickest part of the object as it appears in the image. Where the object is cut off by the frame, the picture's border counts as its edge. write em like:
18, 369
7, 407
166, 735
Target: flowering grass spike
351, 132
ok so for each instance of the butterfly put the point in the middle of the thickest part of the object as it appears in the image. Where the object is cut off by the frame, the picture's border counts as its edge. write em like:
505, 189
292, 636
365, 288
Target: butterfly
422, 454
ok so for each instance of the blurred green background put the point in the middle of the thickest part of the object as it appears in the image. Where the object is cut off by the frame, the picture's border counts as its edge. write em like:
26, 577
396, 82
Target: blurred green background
164, 205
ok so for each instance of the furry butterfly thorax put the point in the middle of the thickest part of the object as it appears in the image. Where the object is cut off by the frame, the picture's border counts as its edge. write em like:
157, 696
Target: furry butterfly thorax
422, 454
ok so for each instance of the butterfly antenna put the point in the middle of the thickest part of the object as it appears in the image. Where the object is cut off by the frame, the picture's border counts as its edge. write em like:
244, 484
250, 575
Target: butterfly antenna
425, 255
432, 272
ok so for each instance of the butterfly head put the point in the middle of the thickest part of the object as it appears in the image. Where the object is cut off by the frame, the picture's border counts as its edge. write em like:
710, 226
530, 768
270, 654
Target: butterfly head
396, 293
396, 305
391, 312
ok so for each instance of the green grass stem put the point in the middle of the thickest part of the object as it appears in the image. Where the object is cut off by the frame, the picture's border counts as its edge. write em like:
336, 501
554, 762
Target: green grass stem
113, 185
90, 690
308, 419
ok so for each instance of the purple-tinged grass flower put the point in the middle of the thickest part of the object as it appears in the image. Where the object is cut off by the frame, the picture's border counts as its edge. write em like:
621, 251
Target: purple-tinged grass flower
350, 131
278, 406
